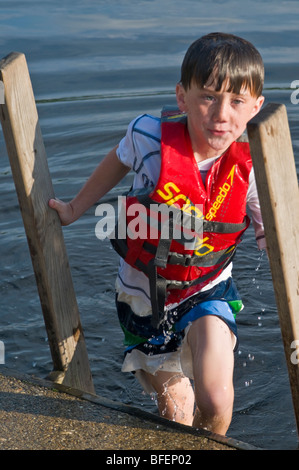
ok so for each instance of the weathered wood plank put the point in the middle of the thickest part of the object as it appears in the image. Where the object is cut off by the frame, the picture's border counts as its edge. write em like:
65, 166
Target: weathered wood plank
33, 184
277, 183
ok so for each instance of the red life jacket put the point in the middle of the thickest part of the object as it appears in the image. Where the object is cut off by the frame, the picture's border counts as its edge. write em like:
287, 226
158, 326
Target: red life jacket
181, 207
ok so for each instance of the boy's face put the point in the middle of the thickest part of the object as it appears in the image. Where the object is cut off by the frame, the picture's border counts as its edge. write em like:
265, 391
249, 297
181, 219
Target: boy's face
215, 118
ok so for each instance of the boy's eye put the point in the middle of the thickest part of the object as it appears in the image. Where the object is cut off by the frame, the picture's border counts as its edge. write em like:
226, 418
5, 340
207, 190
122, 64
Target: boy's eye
238, 101
209, 97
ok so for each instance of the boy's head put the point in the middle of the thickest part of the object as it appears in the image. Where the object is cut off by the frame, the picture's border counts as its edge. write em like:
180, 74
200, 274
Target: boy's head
220, 60
220, 91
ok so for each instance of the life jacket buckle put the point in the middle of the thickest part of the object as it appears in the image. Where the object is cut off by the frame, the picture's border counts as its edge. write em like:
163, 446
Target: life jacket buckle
188, 259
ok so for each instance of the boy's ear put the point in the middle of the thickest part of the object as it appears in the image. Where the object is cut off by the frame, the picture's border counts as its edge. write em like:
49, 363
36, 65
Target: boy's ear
258, 104
180, 97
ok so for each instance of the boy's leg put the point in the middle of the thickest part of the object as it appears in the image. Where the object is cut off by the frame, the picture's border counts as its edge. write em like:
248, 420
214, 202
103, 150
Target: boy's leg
211, 343
175, 396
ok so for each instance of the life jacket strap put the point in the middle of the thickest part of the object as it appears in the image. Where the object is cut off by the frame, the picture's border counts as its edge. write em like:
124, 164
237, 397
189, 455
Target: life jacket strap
191, 220
161, 257
159, 285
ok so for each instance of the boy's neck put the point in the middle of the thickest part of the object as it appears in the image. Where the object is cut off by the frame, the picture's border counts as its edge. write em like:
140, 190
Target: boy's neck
199, 157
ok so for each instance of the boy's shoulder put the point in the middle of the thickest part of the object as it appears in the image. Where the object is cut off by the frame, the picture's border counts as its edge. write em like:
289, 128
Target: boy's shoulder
147, 125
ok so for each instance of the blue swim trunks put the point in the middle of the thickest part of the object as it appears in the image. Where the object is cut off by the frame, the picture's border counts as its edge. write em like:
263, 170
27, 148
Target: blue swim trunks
223, 300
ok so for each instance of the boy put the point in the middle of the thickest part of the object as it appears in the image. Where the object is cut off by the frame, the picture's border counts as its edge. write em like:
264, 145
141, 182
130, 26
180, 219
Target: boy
177, 306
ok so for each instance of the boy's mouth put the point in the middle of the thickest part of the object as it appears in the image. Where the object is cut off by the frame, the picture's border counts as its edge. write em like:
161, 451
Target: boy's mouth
218, 132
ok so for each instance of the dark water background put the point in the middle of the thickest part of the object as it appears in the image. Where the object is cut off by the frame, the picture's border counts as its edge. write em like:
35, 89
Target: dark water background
94, 66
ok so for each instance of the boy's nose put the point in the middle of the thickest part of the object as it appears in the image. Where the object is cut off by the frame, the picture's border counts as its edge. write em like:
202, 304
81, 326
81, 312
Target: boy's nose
221, 111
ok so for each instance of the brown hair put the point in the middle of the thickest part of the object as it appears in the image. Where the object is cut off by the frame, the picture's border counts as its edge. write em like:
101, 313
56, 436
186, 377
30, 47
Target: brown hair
218, 57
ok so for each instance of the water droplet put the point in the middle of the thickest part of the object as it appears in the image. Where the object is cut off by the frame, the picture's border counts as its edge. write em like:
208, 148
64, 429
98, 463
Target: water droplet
248, 383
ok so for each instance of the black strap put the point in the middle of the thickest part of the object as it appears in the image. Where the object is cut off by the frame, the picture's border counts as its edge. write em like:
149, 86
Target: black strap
162, 284
224, 227
120, 246
206, 261
186, 260
207, 225
184, 284
158, 287
162, 252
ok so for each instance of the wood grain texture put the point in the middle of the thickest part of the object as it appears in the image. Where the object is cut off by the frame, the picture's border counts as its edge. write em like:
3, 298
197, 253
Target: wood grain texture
277, 183
33, 184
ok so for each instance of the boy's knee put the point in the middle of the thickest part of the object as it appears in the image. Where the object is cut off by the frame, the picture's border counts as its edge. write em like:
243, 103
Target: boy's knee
214, 411
215, 402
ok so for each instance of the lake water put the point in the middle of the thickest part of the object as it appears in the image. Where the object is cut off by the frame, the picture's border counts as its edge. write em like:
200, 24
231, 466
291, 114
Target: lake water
94, 67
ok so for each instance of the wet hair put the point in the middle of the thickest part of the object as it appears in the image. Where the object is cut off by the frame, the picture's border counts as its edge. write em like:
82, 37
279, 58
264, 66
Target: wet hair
219, 59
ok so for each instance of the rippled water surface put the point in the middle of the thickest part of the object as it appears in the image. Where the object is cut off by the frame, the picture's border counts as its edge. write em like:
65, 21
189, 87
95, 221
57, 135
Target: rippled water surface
94, 67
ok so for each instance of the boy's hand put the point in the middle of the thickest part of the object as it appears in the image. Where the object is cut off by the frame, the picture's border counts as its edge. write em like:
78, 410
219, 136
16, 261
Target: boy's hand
106, 175
64, 210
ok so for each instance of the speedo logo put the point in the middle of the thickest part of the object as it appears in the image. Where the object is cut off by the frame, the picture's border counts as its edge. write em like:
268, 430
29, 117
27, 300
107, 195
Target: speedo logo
220, 198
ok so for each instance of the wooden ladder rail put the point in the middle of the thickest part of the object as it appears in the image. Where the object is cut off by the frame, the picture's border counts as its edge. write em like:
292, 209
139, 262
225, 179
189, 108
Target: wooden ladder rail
28, 160
277, 184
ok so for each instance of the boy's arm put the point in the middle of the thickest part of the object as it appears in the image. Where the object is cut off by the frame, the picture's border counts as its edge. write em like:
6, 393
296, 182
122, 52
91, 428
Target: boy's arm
255, 212
107, 174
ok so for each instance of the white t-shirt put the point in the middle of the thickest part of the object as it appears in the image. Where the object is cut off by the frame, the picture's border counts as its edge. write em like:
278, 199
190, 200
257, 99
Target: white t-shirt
140, 150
